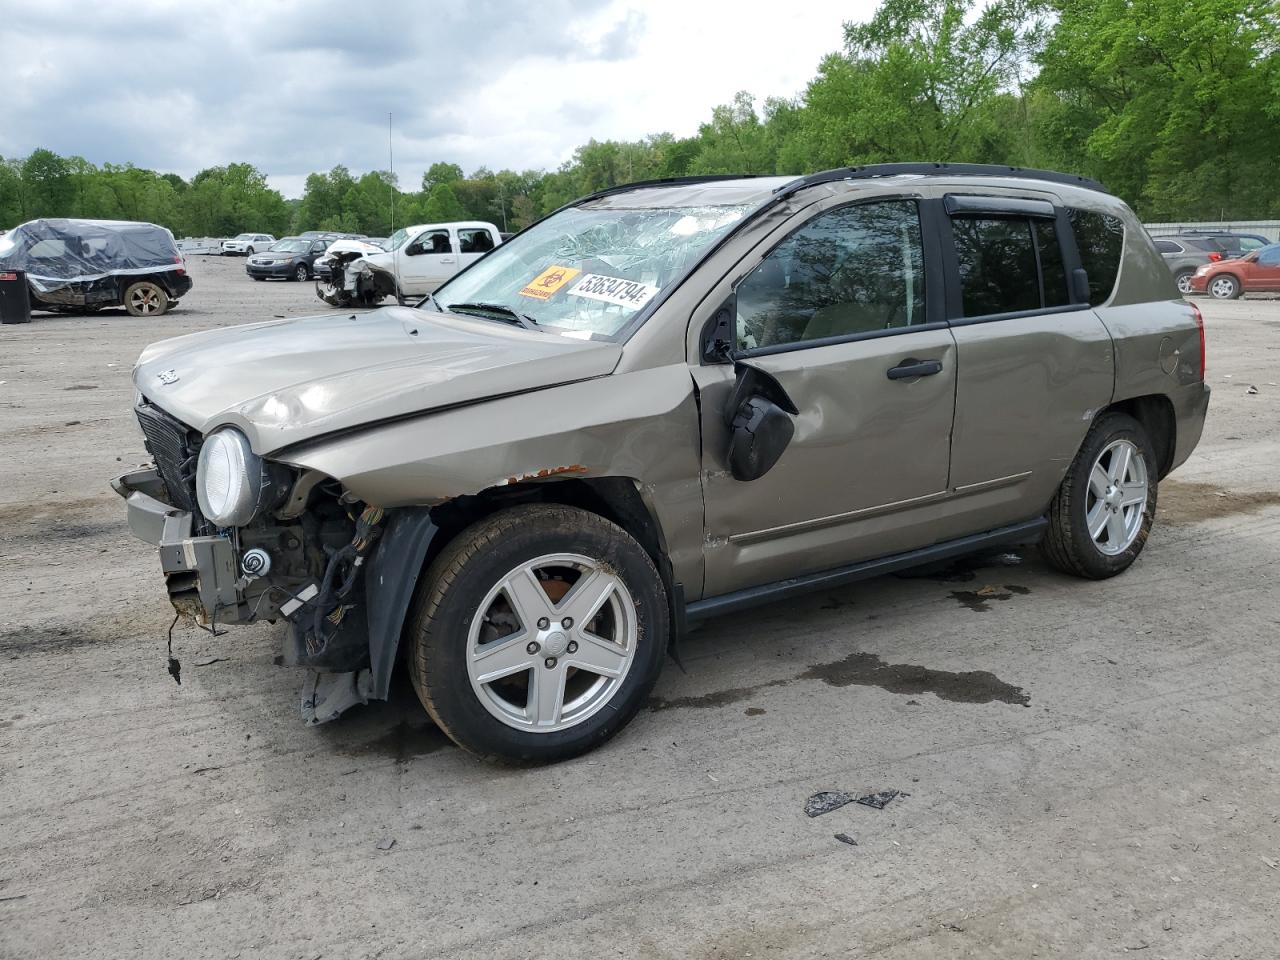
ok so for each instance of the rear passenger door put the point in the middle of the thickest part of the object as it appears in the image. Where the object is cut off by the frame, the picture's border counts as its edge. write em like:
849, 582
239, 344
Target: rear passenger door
1034, 362
473, 243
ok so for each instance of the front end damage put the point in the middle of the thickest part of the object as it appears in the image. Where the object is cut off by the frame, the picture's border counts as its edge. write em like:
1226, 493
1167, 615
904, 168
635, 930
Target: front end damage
354, 282
312, 556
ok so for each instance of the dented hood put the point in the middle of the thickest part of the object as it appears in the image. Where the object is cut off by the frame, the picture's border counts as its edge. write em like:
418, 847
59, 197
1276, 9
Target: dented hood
287, 381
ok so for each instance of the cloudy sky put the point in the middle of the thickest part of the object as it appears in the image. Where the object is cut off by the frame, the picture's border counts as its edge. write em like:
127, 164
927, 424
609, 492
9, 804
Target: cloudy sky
295, 87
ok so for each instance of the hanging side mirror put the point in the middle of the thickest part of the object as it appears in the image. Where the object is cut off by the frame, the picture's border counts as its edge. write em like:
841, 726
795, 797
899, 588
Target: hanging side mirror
759, 416
1080, 284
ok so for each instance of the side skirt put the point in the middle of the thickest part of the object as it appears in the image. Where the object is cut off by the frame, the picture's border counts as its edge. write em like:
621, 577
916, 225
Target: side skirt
1028, 532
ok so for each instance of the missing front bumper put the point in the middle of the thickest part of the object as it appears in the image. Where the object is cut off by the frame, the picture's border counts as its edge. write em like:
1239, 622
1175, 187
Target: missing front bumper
199, 572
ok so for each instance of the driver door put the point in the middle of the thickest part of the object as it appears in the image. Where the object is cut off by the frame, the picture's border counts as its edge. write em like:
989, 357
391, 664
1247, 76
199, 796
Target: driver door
427, 261
839, 315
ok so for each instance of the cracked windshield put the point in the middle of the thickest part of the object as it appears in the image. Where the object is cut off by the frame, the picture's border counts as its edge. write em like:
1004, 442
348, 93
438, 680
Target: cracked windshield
586, 272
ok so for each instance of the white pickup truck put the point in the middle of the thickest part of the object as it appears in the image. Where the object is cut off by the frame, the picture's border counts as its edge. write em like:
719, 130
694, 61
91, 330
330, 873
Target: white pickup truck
422, 257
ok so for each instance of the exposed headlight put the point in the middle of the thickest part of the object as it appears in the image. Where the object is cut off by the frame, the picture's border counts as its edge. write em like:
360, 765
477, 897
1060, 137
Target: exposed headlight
229, 479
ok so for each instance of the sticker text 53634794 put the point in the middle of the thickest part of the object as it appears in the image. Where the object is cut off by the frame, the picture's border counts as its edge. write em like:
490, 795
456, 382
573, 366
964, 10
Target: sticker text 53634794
615, 290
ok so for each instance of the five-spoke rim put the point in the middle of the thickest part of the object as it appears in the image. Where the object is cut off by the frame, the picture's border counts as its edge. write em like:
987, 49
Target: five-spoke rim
145, 300
1117, 497
1224, 287
552, 642
1184, 283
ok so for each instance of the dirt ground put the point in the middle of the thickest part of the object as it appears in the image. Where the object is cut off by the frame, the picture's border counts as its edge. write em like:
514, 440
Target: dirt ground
1092, 767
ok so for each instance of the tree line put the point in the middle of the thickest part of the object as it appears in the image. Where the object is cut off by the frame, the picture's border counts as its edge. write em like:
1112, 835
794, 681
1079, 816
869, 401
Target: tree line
1173, 104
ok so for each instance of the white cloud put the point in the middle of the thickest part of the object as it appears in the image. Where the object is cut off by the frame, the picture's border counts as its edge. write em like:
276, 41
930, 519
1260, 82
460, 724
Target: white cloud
295, 87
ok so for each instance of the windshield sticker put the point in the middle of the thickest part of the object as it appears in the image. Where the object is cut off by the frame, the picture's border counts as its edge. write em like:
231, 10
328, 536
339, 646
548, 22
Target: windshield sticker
545, 284
615, 290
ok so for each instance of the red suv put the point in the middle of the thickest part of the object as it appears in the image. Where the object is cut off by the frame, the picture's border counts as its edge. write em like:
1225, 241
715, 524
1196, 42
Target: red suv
1256, 272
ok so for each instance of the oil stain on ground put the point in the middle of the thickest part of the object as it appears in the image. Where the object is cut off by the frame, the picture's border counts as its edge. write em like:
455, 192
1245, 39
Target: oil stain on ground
979, 601
962, 569
869, 670
23, 641
1181, 503
403, 742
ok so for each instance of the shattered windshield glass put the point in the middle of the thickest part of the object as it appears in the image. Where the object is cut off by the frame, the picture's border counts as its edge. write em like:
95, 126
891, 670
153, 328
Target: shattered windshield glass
586, 272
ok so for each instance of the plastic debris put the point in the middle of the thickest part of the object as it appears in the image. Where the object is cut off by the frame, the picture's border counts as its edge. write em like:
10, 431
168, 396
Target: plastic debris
880, 800
826, 801
845, 838
1252, 389
386, 843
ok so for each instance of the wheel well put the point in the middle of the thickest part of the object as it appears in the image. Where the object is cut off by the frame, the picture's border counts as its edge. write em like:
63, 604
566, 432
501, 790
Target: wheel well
615, 498
1155, 413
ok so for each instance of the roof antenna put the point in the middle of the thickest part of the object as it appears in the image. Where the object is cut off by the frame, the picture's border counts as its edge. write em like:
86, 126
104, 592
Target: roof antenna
395, 259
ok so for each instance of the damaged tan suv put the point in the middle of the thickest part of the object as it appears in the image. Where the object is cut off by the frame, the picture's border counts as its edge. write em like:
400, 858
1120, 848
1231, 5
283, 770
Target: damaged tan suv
663, 402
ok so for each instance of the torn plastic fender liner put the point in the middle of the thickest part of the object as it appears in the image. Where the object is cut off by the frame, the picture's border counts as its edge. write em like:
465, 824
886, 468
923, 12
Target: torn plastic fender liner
390, 582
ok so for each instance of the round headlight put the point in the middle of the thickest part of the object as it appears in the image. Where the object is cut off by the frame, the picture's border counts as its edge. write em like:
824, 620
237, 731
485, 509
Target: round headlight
228, 478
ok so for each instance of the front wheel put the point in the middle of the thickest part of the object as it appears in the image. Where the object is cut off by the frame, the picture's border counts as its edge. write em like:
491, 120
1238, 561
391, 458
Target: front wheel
302, 273
538, 633
1224, 287
145, 299
1101, 517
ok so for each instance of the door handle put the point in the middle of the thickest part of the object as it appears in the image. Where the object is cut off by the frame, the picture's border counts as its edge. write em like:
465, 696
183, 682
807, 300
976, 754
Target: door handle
446, 259
911, 367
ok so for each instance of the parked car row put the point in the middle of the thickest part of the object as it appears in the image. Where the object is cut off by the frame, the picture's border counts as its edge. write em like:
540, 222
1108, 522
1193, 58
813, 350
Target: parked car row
1187, 252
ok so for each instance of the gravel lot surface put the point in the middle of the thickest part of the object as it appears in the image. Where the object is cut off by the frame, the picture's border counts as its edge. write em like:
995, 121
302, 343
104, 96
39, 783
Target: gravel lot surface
1092, 767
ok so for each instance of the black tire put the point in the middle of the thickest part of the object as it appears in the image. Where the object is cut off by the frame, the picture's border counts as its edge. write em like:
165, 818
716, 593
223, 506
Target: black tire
1183, 279
249, 252
145, 299
456, 584
1224, 286
1067, 543
257, 278
302, 274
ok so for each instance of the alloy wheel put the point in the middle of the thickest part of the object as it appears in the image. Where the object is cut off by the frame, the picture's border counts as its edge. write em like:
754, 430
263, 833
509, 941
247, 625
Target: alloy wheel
1117, 497
145, 300
552, 642
1224, 288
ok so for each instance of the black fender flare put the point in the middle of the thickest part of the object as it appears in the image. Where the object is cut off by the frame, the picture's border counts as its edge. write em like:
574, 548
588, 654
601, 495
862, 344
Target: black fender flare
390, 582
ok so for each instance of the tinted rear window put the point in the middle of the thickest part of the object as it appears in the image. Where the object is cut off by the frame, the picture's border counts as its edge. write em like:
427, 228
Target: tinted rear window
1167, 246
1008, 265
1100, 240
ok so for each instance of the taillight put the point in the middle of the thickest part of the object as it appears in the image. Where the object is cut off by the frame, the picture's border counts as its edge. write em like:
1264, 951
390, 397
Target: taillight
1214, 257
1200, 326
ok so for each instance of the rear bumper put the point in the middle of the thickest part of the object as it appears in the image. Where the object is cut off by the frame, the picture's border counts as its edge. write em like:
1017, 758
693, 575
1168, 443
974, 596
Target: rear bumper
1190, 406
199, 572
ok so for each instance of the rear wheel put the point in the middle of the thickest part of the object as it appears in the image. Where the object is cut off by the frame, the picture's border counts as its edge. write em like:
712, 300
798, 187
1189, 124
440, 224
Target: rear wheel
1101, 517
145, 299
1224, 287
1183, 280
538, 633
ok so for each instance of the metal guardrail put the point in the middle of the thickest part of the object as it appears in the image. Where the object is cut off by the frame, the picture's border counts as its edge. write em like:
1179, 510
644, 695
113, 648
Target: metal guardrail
1266, 228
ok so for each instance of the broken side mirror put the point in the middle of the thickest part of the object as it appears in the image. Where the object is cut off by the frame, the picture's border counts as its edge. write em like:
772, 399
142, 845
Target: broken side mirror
1080, 284
758, 415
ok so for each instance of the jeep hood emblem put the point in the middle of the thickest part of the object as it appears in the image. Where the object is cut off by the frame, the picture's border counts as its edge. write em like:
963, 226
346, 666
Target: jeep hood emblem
167, 376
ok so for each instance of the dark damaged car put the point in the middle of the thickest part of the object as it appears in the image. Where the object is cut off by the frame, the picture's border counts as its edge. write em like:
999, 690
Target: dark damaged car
85, 265
665, 402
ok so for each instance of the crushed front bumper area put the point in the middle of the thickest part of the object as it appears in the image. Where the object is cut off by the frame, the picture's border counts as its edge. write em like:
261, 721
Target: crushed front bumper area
199, 571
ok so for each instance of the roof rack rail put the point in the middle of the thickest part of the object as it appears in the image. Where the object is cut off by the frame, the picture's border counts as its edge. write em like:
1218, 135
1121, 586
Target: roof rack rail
662, 182
873, 170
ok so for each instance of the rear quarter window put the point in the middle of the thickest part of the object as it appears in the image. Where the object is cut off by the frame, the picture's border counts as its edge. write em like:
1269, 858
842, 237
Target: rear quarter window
1100, 240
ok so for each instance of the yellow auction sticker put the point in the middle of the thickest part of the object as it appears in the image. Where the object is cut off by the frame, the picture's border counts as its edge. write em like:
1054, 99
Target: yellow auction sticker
545, 284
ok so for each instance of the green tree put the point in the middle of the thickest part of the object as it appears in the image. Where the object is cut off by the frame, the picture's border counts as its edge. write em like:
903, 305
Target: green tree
442, 205
49, 190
